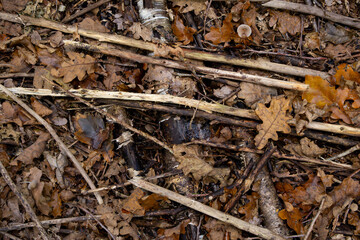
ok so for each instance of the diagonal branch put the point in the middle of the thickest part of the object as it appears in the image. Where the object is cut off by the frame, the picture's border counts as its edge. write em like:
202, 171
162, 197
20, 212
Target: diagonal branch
23, 200
240, 224
57, 139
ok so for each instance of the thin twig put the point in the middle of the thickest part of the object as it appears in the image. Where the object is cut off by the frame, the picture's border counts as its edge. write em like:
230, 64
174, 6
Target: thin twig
343, 154
115, 119
57, 139
237, 76
204, 106
314, 220
23, 200
10, 235
248, 182
313, 10
85, 10
153, 47
276, 154
97, 220
238, 223
169, 174
19, 226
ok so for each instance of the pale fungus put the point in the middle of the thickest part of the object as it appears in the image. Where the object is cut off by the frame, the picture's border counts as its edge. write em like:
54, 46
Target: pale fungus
244, 31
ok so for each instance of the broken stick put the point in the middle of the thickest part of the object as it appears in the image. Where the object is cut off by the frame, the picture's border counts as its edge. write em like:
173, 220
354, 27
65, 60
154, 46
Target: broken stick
226, 218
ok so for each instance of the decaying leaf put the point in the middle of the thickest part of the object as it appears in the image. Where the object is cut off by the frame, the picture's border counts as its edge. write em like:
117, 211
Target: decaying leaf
224, 34
274, 120
37, 189
191, 163
90, 24
76, 67
140, 31
91, 130
251, 209
190, 5
255, 93
322, 93
286, 23
219, 230
173, 233
40, 108
33, 151
182, 32
346, 72
306, 148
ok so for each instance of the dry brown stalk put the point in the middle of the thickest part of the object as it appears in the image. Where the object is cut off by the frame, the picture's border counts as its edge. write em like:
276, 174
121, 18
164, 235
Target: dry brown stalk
126, 41
204, 106
270, 82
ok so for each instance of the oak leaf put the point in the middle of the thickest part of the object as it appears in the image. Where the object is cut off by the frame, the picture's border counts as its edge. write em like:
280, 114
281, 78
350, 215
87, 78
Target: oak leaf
76, 67
274, 120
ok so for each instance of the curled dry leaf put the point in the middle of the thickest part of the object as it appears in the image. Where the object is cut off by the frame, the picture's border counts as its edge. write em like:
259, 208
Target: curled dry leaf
274, 120
182, 32
224, 34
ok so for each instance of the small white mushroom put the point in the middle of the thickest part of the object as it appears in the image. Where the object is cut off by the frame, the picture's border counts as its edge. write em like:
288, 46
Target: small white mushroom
244, 31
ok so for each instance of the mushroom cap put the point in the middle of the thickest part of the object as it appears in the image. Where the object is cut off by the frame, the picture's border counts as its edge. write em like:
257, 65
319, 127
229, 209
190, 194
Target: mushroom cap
244, 31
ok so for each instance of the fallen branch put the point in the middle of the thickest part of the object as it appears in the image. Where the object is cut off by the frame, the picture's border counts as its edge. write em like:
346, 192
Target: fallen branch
313, 10
204, 106
149, 46
23, 200
270, 82
226, 218
57, 139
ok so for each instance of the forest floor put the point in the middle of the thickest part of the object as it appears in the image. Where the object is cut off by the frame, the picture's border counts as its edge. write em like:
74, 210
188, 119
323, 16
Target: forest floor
179, 119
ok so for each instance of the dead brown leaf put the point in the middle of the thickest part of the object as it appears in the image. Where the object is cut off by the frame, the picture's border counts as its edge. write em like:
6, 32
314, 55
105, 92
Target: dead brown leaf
33, 151
191, 163
182, 32
274, 120
90, 24
306, 148
140, 31
255, 93
76, 67
190, 5
40, 108
286, 23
